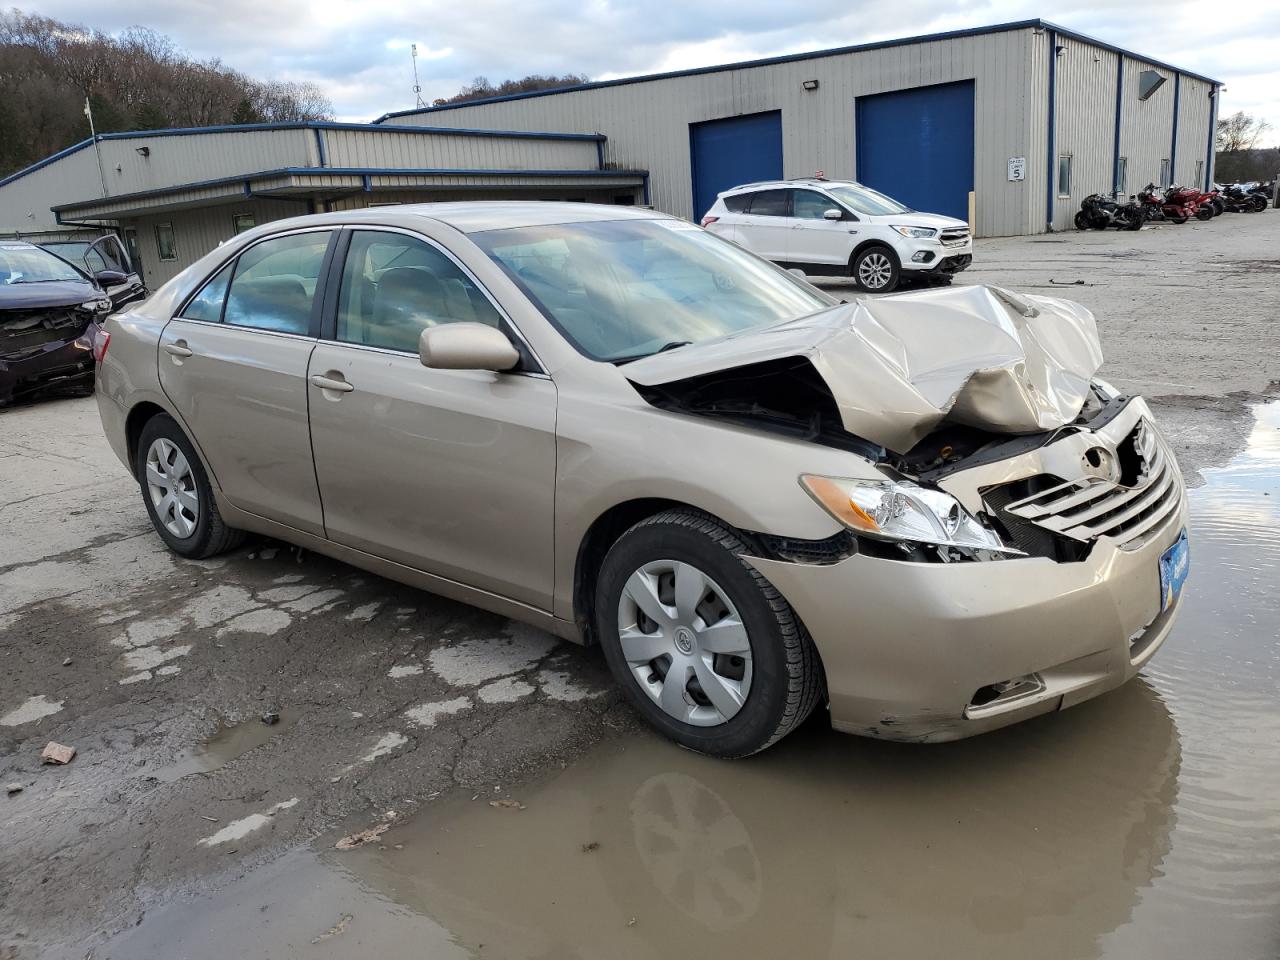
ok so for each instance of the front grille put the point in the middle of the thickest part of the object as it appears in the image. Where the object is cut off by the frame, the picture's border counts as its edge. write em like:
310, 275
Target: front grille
955, 236
1084, 509
25, 333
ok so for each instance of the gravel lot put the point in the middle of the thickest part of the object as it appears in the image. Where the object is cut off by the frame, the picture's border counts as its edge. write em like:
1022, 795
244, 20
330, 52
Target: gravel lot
158, 670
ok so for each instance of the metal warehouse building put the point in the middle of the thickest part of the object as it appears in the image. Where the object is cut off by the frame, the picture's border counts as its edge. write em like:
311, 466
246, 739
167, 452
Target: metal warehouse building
1027, 117
174, 195
1008, 127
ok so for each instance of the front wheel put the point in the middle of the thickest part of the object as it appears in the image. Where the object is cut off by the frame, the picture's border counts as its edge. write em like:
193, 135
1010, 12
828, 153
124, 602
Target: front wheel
1083, 221
701, 643
177, 494
876, 269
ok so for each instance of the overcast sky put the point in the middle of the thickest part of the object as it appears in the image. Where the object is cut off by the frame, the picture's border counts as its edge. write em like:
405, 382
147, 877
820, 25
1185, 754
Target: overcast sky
359, 52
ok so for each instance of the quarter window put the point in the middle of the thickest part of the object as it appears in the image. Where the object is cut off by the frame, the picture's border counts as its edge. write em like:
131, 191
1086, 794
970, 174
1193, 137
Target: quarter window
1064, 175
771, 203
811, 205
737, 203
207, 304
166, 249
395, 286
275, 282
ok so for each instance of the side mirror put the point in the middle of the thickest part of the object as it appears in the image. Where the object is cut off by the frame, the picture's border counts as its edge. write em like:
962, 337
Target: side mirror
832, 214
797, 272
466, 346
110, 278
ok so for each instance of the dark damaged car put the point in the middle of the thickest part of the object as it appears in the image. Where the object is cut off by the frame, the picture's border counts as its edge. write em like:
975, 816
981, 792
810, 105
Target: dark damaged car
50, 315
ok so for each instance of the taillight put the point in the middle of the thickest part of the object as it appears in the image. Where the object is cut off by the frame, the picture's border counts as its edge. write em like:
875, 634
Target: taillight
708, 220
101, 339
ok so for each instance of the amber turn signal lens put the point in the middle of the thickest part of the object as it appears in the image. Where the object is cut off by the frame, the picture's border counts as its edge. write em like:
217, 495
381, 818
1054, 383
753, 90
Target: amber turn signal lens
836, 500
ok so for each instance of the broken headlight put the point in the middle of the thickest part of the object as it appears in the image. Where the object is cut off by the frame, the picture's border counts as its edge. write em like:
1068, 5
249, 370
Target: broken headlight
903, 512
97, 305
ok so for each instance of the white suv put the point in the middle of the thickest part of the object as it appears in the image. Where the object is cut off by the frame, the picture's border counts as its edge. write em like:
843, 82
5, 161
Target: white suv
841, 228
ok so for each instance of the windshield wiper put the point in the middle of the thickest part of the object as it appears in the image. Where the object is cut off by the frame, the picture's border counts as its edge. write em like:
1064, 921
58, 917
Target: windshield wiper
670, 345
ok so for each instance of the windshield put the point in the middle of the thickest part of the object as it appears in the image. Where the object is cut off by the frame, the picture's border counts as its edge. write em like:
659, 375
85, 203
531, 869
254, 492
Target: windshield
22, 263
623, 289
866, 201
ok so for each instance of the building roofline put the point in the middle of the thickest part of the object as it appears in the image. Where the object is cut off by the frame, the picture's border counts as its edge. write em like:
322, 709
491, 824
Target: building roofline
296, 125
1036, 24
247, 178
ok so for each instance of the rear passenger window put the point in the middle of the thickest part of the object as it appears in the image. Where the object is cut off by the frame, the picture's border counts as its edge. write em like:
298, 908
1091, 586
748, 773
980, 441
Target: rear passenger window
207, 304
275, 283
738, 203
771, 203
395, 286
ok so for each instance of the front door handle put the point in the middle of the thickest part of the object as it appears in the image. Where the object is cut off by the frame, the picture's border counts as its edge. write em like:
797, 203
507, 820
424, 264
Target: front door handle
329, 383
178, 349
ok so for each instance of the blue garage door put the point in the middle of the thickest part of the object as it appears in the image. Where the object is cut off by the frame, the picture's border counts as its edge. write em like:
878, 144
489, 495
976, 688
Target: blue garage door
725, 153
917, 146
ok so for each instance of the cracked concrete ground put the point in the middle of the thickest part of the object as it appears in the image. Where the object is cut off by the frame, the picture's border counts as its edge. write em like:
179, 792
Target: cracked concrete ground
391, 698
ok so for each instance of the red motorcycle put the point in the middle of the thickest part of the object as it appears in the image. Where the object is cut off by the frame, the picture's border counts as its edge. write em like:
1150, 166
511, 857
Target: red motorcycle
1156, 206
1211, 200
1187, 199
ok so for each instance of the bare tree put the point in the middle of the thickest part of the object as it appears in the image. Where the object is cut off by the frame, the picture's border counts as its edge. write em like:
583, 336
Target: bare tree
1239, 132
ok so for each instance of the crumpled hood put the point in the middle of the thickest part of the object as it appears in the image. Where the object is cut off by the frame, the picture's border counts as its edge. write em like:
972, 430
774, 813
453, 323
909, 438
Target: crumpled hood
54, 293
899, 366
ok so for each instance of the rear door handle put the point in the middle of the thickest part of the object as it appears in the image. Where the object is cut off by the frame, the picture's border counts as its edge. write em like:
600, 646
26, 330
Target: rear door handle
328, 383
178, 349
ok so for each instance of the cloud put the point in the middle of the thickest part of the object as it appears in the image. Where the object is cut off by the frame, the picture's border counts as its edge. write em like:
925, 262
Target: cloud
360, 55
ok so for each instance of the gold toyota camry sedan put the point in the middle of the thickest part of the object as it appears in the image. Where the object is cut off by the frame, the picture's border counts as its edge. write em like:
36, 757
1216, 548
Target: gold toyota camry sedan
923, 512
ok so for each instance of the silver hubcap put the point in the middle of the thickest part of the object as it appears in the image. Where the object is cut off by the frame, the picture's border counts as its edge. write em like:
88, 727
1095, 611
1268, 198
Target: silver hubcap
685, 643
874, 270
172, 488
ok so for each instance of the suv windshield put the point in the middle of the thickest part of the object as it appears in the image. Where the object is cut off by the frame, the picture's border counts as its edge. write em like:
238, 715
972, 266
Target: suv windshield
623, 289
22, 263
864, 200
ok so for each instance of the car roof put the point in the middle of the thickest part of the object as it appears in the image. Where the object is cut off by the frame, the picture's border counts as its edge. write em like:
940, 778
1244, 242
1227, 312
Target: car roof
474, 216
779, 184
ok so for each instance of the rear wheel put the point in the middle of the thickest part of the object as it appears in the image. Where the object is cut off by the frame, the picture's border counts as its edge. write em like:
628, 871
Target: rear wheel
1204, 213
702, 644
1178, 218
176, 491
876, 269
1083, 221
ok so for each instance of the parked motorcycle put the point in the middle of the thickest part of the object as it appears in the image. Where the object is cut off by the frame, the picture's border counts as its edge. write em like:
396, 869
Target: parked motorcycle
1155, 207
1208, 200
1185, 199
1240, 199
1097, 212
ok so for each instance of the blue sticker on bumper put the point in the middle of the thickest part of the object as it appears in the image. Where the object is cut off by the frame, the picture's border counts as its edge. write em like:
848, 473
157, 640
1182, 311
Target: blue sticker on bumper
1175, 564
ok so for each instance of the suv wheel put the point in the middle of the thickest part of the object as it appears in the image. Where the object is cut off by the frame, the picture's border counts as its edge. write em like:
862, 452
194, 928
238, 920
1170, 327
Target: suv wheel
876, 269
702, 644
176, 491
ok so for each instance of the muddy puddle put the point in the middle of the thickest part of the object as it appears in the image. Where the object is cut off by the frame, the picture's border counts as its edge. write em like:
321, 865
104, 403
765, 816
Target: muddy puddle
1143, 824
229, 742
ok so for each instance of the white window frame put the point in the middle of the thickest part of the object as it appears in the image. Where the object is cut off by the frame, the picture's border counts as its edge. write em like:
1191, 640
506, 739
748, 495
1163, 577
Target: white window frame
1166, 173
1122, 175
1064, 193
173, 242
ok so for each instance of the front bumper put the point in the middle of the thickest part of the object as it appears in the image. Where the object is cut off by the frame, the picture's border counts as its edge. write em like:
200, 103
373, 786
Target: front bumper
934, 257
62, 363
913, 650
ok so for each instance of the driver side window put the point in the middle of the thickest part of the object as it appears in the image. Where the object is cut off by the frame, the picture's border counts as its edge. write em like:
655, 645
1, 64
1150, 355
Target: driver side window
809, 205
395, 286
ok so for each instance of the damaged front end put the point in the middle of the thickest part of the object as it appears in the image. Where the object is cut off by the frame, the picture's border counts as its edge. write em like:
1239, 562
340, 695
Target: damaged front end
977, 406
47, 346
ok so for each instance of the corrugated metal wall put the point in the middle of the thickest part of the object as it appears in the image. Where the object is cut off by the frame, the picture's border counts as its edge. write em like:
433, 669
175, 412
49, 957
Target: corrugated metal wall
1146, 126
1085, 111
196, 232
1193, 132
648, 123
24, 203
359, 148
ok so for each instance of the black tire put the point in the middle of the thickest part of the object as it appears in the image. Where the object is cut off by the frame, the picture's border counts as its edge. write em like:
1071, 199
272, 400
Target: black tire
1259, 204
1204, 214
1083, 221
860, 260
787, 680
1179, 218
1133, 221
211, 535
